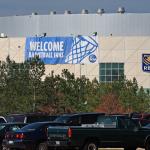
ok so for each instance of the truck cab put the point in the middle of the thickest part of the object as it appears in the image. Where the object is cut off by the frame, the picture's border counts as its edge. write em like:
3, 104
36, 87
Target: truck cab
109, 131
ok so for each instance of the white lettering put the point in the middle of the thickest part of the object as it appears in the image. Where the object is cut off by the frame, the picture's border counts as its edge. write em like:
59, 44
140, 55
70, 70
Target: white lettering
147, 68
32, 46
61, 46
50, 47
47, 46
58, 55
38, 46
56, 46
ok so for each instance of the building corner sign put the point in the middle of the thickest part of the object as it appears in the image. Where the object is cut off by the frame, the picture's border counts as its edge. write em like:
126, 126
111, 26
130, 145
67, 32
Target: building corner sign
63, 50
146, 62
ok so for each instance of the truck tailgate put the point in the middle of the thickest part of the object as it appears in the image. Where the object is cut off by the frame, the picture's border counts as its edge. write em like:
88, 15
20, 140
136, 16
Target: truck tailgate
58, 133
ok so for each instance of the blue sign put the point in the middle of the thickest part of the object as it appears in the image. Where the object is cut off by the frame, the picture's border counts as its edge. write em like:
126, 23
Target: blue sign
92, 58
62, 50
146, 62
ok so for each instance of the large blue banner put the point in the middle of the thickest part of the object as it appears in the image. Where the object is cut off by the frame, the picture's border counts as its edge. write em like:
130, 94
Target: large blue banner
62, 50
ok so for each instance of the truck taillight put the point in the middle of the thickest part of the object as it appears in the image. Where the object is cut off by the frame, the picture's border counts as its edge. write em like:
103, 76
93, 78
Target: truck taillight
20, 136
69, 132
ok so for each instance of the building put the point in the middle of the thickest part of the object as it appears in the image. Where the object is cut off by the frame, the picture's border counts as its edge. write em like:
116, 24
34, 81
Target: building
123, 41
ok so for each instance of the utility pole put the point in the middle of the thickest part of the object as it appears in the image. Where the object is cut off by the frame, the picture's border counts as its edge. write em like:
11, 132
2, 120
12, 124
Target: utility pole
34, 98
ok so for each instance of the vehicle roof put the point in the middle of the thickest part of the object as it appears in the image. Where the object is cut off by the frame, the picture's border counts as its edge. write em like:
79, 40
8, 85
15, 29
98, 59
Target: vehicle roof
139, 115
82, 113
118, 115
46, 122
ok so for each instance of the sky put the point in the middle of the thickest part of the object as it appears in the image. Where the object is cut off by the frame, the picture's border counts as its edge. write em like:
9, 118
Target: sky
26, 7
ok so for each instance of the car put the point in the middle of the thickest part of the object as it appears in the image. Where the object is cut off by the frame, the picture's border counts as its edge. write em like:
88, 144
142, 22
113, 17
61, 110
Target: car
142, 118
34, 136
7, 127
3, 119
111, 131
30, 137
30, 117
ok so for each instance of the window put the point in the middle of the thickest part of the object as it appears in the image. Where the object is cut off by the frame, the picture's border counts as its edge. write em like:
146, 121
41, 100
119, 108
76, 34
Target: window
111, 71
14, 128
89, 119
15, 118
107, 122
63, 119
74, 120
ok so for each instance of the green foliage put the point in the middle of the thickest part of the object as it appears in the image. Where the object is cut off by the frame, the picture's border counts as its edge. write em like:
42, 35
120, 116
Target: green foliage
24, 89
17, 81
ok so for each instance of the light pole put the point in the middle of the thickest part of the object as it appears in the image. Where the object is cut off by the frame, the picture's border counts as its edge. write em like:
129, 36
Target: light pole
81, 64
34, 98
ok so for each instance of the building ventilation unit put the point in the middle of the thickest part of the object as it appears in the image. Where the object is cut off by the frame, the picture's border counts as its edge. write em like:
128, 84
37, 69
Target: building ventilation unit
100, 11
34, 13
121, 10
52, 12
3, 35
67, 12
84, 11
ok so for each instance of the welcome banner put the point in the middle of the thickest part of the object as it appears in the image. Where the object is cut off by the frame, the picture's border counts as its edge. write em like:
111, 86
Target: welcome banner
63, 50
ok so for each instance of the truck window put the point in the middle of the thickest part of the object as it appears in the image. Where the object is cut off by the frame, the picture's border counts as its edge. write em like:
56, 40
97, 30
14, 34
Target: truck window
74, 121
62, 119
107, 122
89, 119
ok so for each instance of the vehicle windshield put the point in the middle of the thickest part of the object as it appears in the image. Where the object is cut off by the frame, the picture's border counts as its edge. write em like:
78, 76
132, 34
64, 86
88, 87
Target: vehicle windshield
32, 127
62, 119
15, 118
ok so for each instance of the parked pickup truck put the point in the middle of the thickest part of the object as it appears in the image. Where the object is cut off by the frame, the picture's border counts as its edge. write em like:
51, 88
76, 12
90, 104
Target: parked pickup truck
109, 131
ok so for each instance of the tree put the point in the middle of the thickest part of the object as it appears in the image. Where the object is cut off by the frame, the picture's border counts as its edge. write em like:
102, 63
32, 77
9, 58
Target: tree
110, 104
23, 89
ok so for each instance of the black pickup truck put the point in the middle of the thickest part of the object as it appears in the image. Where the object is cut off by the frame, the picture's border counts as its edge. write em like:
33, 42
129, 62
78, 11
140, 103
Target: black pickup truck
109, 131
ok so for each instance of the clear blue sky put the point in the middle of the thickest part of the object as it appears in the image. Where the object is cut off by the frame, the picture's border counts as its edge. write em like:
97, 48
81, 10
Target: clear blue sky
25, 7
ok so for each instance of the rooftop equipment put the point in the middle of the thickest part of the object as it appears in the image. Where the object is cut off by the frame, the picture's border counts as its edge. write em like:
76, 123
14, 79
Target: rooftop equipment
100, 11
84, 11
121, 10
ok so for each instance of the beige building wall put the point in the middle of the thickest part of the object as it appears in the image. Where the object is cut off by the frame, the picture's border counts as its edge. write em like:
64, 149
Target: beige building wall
127, 50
